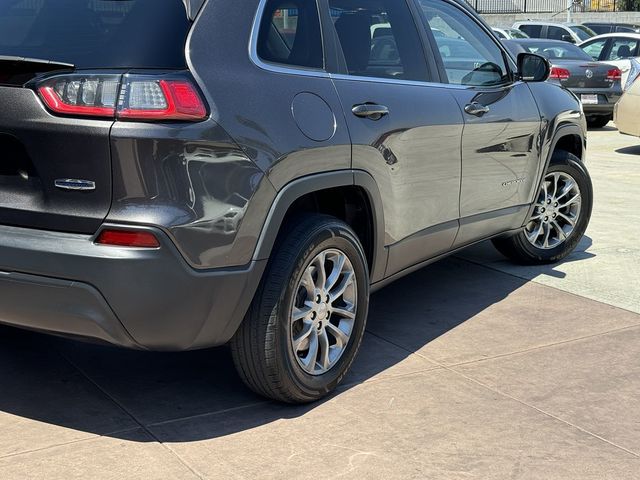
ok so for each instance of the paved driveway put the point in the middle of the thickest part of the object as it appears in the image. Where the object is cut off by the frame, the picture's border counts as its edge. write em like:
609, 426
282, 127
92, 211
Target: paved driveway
471, 368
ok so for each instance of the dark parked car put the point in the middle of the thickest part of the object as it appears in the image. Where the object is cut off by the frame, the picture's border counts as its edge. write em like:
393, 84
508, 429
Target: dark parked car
605, 27
597, 84
183, 174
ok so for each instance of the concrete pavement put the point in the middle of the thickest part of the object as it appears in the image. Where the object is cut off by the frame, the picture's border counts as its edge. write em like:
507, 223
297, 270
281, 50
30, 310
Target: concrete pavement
471, 368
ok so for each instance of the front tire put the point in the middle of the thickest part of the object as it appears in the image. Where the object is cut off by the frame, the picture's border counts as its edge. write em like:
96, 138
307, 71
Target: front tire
560, 217
306, 322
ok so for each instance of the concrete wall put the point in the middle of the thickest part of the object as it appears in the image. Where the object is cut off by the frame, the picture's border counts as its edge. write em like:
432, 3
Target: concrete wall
507, 19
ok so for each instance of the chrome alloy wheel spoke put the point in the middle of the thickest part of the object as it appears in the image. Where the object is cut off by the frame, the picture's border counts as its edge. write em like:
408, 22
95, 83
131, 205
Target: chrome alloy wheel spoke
324, 311
556, 211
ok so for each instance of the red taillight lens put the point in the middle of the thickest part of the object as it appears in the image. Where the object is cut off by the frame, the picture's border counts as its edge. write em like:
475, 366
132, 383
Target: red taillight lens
559, 73
146, 99
128, 238
614, 74
128, 97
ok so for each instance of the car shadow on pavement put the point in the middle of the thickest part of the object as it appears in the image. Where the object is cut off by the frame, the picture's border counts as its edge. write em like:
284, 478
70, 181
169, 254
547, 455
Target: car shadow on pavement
632, 150
197, 395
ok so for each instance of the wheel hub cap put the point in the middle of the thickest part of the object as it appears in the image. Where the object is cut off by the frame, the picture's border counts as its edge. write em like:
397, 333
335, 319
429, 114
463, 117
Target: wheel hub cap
324, 312
556, 212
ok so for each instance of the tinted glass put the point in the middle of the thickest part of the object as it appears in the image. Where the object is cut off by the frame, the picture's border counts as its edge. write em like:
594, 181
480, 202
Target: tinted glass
290, 34
534, 31
556, 33
583, 33
379, 38
96, 33
600, 29
469, 54
554, 51
594, 49
622, 48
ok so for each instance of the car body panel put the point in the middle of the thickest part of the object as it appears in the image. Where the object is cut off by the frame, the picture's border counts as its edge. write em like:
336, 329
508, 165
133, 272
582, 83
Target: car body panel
216, 193
626, 115
624, 64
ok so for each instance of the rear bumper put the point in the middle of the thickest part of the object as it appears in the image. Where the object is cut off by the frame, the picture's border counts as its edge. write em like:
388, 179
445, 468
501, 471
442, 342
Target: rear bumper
137, 298
607, 98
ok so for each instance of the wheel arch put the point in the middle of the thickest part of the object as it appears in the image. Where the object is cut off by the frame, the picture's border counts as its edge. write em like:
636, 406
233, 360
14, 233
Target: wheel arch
352, 187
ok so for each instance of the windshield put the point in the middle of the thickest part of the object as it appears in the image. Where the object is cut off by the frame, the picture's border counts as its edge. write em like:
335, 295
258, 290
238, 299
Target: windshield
583, 33
557, 50
96, 33
517, 33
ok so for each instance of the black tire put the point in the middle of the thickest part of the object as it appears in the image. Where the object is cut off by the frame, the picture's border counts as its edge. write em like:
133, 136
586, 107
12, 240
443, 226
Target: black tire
518, 248
598, 121
262, 348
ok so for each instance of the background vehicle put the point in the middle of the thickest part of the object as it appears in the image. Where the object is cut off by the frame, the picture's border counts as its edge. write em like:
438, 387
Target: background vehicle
567, 32
596, 84
604, 27
508, 33
180, 177
615, 48
626, 111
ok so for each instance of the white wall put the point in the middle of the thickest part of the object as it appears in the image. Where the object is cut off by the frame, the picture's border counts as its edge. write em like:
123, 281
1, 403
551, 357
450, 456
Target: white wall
507, 19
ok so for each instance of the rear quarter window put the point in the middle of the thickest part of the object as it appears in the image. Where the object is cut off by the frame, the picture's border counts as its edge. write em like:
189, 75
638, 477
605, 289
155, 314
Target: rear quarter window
96, 33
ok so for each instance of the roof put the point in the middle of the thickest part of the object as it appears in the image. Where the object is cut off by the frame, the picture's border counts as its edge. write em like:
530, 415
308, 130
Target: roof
635, 36
545, 22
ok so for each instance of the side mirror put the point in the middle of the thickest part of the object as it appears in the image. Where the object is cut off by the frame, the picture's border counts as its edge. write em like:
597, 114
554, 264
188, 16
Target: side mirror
568, 38
533, 68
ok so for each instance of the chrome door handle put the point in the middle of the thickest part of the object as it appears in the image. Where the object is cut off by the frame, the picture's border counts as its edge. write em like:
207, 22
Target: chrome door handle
370, 111
477, 109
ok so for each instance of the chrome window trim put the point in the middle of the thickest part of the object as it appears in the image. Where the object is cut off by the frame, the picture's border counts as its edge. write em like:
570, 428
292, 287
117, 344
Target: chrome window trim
274, 67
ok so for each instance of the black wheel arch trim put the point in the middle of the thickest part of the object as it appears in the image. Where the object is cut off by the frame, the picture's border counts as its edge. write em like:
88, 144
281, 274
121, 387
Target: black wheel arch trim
318, 182
564, 130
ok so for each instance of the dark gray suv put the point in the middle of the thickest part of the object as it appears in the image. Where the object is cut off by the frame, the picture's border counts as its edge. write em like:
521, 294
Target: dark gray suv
181, 174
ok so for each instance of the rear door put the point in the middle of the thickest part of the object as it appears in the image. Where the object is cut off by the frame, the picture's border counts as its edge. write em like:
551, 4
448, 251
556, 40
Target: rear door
45, 159
405, 130
500, 155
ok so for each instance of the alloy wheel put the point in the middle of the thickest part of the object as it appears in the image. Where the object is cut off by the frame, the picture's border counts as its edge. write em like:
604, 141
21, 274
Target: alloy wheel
324, 311
556, 212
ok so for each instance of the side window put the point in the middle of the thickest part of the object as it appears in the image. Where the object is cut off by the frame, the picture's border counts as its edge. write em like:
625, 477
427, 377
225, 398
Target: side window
594, 49
556, 33
534, 31
469, 54
290, 34
379, 38
622, 48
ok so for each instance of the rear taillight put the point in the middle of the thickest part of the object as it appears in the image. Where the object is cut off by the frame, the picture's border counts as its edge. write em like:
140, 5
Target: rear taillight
559, 73
614, 75
128, 97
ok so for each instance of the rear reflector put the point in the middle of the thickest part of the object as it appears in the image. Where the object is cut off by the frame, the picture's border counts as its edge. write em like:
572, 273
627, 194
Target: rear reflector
128, 97
559, 73
128, 238
614, 74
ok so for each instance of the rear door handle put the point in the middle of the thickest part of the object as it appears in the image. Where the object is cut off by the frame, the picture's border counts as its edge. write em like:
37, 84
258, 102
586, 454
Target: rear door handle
477, 109
370, 111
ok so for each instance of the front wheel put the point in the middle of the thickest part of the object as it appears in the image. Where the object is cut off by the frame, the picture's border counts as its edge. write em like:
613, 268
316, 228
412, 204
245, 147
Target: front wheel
307, 321
560, 217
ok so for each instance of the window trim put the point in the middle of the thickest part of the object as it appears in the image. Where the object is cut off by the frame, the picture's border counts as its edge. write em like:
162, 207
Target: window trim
279, 67
444, 79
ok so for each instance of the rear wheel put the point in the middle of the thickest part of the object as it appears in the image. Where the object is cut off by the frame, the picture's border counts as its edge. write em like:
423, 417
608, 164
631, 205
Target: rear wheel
598, 122
307, 321
560, 217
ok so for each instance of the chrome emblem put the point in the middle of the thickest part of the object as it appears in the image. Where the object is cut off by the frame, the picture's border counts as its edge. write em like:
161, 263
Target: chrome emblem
75, 184
589, 74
